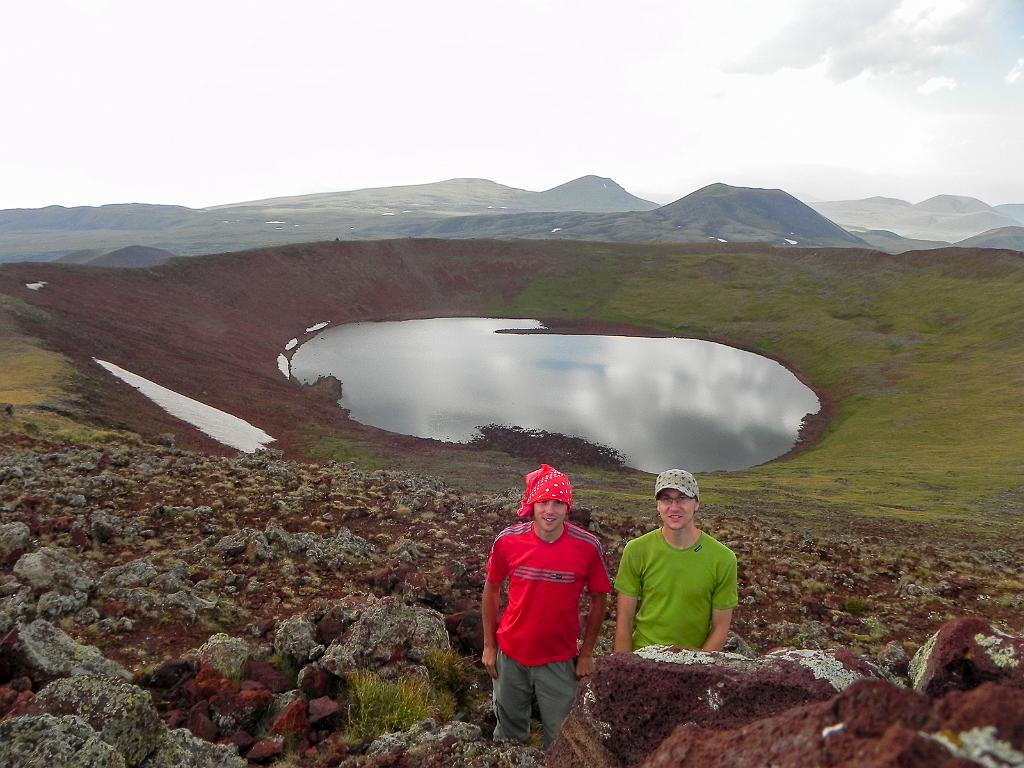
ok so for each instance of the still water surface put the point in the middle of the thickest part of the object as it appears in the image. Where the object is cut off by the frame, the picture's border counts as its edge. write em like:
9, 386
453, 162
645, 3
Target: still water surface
661, 402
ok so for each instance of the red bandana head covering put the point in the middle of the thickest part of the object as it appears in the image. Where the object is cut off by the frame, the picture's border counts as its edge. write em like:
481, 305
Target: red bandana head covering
545, 484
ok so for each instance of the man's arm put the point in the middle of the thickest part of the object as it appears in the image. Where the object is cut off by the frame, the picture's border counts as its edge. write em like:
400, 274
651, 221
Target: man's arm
720, 621
585, 661
625, 610
489, 619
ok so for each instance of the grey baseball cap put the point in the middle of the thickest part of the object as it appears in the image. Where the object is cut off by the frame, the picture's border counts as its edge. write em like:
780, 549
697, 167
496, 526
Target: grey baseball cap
680, 480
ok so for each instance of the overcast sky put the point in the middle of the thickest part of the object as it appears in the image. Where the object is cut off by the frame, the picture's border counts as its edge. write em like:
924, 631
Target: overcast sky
201, 103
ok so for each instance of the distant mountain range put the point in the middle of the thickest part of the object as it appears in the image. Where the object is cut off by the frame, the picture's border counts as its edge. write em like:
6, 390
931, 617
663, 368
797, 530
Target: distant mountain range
947, 218
588, 208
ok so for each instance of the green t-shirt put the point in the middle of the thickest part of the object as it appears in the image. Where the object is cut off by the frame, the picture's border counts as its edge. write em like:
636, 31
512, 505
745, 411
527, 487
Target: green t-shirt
677, 588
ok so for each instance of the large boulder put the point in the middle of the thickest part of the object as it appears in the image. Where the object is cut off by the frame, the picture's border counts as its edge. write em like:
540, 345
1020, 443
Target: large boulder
295, 637
44, 741
180, 749
43, 652
121, 713
52, 568
633, 701
226, 654
387, 636
965, 653
872, 724
14, 539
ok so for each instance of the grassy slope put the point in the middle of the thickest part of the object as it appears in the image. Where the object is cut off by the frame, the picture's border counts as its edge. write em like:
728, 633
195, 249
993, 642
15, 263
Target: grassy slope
922, 356
924, 359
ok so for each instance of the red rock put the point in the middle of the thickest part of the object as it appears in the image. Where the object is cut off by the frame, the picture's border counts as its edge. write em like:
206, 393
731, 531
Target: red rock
200, 724
176, 718
965, 653
630, 703
113, 609
268, 675
315, 681
80, 539
292, 720
332, 625
265, 749
871, 724
213, 683
322, 709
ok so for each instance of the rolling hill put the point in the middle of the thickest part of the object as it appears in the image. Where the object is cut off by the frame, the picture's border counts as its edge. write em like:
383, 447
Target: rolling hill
946, 218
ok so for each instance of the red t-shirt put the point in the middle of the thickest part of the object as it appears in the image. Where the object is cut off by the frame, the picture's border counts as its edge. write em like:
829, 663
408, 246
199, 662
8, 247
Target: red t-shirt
541, 624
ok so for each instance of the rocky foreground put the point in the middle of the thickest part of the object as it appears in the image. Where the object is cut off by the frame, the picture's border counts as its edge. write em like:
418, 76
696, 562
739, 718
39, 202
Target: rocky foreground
163, 607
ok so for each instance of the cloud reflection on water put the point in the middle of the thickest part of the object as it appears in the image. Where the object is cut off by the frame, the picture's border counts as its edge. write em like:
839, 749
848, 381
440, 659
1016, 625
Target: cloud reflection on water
661, 402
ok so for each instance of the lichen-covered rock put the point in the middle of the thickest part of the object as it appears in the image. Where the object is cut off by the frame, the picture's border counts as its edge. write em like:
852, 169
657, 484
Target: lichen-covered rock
633, 701
136, 573
14, 539
121, 713
180, 749
46, 741
226, 654
248, 543
388, 632
43, 652
427, 745
965, 653
53, 605
872, 724
51, 568
295, 637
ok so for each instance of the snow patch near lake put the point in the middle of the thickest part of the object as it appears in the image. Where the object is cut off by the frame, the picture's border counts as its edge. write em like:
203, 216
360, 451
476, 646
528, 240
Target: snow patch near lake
284, 366
273, 222
36, 286
556, 229
292, 343
222, 427
316, 327
791, 242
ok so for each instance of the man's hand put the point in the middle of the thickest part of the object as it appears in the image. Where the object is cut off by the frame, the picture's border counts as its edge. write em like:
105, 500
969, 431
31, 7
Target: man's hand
584, 665
490, 661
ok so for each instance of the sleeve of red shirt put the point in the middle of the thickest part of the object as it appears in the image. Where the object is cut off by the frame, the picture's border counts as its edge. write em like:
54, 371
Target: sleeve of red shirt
497, 564
597, 579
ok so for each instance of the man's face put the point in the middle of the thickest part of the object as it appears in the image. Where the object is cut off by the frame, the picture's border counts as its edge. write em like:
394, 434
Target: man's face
549, 517
676, 509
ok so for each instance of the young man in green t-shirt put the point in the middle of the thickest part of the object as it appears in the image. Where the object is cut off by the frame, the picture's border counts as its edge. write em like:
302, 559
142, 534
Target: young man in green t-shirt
676, 584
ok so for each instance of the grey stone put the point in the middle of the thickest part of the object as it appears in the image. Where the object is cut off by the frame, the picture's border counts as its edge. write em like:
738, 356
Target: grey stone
44, 652
53, 605
46, 741
14, 538
226, 654
51, 567
180, 749
296, 637
121, 713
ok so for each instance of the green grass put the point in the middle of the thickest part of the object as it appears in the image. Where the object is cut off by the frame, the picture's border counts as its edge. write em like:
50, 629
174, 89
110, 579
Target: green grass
923, 358
383, 706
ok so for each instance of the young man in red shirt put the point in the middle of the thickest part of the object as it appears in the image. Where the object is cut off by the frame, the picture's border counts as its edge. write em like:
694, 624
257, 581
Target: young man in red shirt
533, 650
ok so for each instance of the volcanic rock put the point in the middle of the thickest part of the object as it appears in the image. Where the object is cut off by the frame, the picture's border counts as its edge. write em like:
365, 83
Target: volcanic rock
43, 653
388, 632
14, 539
633, 701
872, 724
965, 653
180, 749
226, 654
50, 568
45, 740
121, 713
295, 637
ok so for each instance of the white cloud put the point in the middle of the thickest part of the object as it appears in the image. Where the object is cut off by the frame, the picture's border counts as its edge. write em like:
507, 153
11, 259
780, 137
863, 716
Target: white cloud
873, 36
936, 84
1016, 74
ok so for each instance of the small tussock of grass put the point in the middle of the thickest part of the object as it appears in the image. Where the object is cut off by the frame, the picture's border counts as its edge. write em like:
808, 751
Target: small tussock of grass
451, 675
855, 606
381, 706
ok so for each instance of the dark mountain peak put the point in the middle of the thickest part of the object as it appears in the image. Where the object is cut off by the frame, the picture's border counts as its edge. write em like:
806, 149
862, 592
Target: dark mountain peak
750, 213
953, 204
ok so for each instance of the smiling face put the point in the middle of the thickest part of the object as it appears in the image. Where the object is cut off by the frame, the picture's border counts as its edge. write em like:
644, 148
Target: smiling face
549, 519
676, 510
